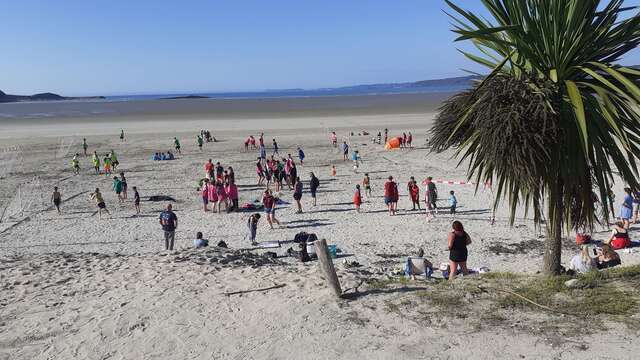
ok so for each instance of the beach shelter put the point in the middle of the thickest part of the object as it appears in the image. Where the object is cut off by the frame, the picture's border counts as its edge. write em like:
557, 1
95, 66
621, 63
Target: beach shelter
393, 143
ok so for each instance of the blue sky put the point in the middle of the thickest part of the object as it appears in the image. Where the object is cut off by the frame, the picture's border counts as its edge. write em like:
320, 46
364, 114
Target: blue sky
126, 47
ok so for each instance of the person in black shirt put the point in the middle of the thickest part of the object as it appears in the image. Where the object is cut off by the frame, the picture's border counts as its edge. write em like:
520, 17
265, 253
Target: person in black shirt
169, 222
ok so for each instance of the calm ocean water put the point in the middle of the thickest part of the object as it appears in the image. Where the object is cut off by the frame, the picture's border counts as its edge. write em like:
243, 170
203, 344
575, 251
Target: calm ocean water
344, 91
300, 99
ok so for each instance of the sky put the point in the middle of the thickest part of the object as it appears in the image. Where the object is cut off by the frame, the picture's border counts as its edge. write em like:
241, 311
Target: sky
119, 47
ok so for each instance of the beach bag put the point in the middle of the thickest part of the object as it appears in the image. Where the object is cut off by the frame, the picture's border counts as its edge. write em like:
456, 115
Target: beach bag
582, 239
300, 237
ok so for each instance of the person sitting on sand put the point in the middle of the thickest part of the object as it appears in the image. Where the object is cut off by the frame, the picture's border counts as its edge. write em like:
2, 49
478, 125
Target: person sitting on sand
582, 262
56, 198
457, 243
170, 155
619, 238
199, 242
607, 257
252, 224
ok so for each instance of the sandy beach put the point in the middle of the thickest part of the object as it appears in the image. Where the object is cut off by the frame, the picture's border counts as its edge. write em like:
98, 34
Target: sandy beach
74, 286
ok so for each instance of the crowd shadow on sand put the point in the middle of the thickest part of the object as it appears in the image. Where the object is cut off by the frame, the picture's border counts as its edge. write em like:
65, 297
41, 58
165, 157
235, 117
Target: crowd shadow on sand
75, 244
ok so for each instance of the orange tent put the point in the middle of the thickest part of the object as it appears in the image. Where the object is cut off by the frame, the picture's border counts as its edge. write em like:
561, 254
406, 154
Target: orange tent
393, 143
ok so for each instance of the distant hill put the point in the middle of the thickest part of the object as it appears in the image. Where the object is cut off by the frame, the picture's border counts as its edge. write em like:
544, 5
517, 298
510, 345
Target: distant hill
457, 82
7, 98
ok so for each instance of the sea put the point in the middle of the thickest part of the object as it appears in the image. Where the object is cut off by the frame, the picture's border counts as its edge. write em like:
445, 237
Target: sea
230, 103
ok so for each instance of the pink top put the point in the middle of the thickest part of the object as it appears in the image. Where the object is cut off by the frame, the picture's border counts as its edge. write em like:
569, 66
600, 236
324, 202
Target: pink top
232, 191
212, 193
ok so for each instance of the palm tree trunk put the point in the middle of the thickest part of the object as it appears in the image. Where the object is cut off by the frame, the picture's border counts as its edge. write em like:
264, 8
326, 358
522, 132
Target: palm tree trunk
553, 240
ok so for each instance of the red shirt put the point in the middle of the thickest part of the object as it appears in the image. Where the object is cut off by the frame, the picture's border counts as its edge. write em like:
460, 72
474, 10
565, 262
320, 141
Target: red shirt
208, 166
389, 188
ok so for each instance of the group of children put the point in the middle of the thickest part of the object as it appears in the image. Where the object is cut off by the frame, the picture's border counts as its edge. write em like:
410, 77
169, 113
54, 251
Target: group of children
160, 156
277, 172
219, 188
391, 195
109, 162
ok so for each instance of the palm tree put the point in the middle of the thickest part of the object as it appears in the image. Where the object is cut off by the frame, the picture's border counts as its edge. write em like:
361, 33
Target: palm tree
556, 118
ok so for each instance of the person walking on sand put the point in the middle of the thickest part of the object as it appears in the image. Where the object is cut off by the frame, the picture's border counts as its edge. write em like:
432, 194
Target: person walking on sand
386, 135
409, 140
355, 157
176, 144
121, 135
626, 209
212, 194
75, 164
269, 203
301, 155
357, 198
56, 199
169, 222
117, 187
204, 192
107, 165
431, 197
297, 194
96, 162
114, 160
260, 172
334, 139
124, 185
457, 242
345, 151
232, 192
208, 169
275, 148
389, 195
252, 224
314, 183
97, 196
84, 146
366, 184
200, 142
136, 200
414, 193
453, 202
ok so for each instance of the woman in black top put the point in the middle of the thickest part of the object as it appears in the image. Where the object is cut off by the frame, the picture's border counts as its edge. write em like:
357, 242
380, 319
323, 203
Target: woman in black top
457, 242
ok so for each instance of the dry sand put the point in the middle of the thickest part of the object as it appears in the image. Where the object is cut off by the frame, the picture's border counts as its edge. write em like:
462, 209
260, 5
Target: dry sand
135, 301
